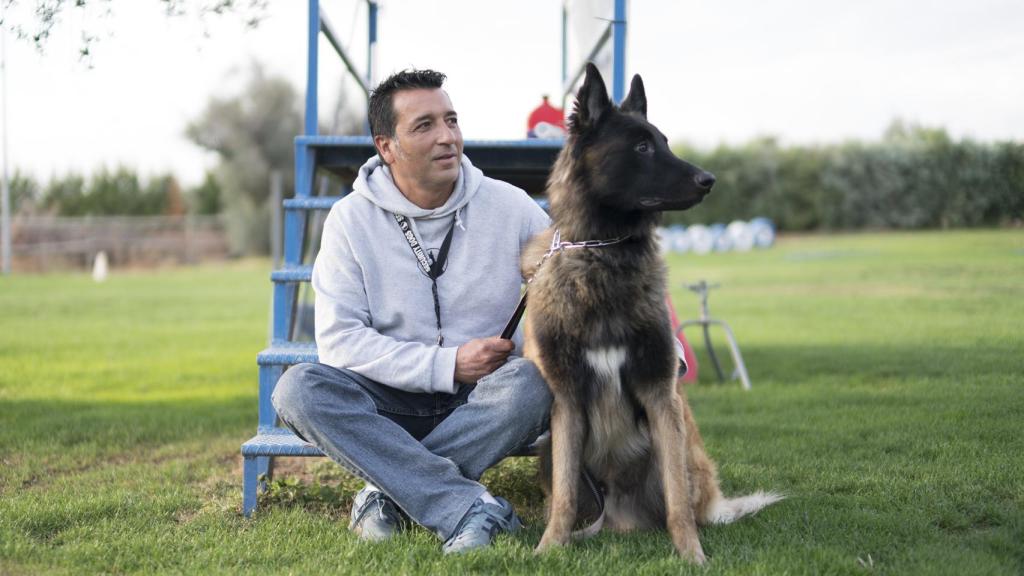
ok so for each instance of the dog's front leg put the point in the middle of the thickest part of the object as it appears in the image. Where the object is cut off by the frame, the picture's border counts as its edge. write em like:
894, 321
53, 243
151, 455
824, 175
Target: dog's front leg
566, 454
665, 415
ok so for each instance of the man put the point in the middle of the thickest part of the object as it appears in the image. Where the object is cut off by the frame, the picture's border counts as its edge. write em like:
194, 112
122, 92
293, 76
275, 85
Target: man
417, 272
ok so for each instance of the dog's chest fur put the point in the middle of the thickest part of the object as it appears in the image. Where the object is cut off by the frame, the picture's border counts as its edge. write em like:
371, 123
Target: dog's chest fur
615, 436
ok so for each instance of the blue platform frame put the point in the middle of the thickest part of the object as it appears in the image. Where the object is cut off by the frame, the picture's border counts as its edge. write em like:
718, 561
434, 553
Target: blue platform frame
524, 163
614, 32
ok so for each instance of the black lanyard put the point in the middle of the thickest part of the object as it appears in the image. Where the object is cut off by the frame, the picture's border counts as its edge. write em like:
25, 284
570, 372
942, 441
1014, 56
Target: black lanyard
433, 267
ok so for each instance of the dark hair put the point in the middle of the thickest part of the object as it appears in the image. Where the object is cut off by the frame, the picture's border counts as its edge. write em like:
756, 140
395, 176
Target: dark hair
381, 111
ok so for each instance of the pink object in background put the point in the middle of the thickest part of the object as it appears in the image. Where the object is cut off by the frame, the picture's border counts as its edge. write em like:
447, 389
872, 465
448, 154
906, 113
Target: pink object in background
688, 355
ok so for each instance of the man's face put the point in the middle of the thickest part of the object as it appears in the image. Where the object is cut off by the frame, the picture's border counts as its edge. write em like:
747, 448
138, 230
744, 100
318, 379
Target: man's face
427, 147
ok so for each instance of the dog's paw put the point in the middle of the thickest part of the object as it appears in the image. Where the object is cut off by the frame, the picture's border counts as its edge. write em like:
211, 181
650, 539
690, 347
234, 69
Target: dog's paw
548, 543
692, 552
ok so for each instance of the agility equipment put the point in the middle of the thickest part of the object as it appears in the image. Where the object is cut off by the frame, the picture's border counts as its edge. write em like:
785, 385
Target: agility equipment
705, 321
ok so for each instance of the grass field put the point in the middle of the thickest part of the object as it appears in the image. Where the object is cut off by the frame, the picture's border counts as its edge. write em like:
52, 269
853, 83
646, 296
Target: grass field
888, 401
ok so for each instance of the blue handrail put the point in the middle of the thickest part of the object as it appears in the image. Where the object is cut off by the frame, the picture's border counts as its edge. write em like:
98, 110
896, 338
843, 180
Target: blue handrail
619, 52
311, 68
616, 32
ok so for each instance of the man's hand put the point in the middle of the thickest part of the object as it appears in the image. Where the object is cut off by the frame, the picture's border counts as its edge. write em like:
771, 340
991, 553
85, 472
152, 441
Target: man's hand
478, 358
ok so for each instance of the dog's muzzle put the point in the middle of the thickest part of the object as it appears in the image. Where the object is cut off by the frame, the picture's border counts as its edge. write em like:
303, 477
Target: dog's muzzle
691, 196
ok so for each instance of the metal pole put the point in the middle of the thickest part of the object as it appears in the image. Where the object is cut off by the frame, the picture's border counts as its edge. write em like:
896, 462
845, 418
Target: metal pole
371, 52
5, 191
311, 68
619, 58
371, 58
276, 215
565, 44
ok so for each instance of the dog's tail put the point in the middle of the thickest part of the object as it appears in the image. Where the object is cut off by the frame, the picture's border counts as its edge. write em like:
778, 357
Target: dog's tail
725, 510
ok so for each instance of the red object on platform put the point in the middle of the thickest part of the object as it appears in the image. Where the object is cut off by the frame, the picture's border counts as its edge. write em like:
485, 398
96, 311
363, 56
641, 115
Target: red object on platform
545, 113
688, 356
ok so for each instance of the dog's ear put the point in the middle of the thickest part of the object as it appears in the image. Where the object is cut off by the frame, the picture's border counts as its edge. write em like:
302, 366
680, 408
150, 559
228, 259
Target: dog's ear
591, 102
636, 100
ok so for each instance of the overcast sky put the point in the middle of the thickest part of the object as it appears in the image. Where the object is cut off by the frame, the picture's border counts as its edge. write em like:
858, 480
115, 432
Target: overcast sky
715, 71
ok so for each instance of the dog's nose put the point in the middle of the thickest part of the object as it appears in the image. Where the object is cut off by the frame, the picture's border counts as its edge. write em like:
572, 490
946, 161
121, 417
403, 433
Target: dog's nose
705, 180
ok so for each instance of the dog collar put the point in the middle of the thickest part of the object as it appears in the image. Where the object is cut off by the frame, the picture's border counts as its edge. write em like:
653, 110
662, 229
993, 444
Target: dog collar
557, 245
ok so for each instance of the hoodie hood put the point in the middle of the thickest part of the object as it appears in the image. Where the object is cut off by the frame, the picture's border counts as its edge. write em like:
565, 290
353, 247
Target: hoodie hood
375, 183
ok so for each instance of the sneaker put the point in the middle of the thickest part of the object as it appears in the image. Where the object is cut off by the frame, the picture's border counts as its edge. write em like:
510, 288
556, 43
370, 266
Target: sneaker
480, 525
374, 516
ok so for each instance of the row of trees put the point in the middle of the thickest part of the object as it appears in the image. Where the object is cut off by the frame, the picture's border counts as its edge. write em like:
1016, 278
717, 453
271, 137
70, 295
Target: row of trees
914, 177
120, 191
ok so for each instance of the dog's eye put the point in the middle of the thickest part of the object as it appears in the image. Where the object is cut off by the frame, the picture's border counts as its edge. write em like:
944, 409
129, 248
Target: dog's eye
644, 147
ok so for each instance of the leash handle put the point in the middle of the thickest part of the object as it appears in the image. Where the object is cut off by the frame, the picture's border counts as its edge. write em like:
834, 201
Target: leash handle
513, 322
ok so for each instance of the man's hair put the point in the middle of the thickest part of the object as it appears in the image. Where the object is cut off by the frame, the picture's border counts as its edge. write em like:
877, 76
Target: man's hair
381, 110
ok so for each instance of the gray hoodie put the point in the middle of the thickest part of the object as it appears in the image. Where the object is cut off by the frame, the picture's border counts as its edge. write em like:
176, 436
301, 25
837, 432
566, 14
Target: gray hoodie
374, 307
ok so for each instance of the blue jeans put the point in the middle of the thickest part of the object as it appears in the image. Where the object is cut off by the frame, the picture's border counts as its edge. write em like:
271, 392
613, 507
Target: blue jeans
426, 451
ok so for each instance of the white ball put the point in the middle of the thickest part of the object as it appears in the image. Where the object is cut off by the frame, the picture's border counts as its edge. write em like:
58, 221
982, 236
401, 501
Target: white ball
764, 232
742, 235
701, 240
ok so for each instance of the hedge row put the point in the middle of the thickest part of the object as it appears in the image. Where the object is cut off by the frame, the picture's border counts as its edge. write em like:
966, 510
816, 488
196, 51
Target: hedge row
913, 178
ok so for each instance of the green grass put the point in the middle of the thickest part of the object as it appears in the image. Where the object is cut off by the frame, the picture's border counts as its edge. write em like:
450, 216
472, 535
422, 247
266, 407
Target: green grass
888, 374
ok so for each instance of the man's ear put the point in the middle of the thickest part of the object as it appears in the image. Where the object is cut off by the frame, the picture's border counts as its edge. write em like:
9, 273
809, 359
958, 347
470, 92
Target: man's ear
592, 102
636, 100
385, 148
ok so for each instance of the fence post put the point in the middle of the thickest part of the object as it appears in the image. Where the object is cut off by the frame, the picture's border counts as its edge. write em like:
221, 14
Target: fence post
5, 191
276, 217
187, 224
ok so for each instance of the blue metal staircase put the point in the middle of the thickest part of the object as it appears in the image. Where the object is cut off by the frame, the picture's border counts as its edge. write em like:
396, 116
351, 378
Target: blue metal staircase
523, 163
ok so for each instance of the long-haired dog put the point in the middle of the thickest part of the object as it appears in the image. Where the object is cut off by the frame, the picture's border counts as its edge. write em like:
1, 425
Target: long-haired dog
598, 329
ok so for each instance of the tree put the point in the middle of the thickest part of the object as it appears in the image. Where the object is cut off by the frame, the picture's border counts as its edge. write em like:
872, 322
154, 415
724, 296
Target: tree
205, 199
164, 191
34, 20
114, 192
65, 195
253, 134
25, 193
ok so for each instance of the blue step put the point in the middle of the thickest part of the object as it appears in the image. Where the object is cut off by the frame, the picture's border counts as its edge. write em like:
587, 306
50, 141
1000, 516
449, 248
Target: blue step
275, 441
287, 354
292, 273
311, 203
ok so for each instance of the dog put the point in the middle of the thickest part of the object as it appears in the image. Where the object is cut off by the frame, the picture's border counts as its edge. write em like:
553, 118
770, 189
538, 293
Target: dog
598, 329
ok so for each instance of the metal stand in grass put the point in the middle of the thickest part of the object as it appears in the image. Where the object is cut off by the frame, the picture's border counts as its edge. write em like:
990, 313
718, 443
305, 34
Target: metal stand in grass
705, 322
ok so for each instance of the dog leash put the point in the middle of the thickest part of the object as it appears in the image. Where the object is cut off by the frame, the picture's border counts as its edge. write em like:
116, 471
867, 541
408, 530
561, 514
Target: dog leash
598, 494
557, 245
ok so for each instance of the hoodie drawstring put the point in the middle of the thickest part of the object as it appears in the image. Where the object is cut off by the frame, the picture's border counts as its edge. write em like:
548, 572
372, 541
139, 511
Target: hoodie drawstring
458, 219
